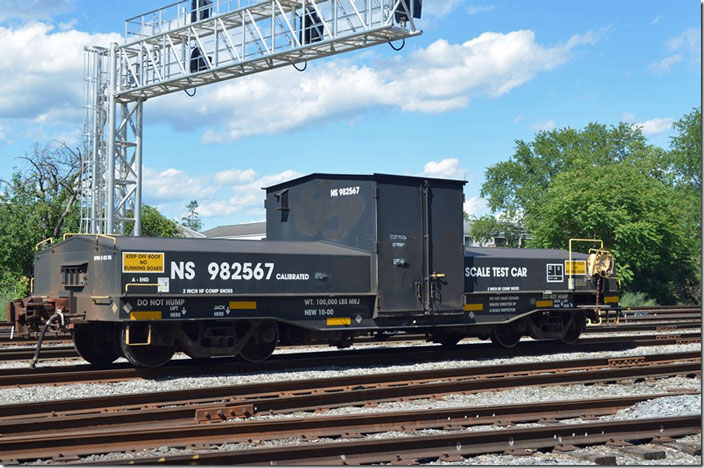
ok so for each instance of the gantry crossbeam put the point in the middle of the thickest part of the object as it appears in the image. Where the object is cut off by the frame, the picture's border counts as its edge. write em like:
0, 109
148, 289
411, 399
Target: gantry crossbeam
192, 43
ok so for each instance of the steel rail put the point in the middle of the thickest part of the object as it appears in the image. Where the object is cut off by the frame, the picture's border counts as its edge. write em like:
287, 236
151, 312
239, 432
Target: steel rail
656, 327
317, 394
664, 309
660, 317
55, 352
12, 377
110, 439
137, 401
69, 351
447, 447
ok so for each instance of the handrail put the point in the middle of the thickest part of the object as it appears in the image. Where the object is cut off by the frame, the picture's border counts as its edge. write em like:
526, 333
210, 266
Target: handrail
71, 234
50, 240
127, 286
570, 282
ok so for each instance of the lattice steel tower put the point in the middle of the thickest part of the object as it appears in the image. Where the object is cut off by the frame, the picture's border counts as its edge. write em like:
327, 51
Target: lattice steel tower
192, 43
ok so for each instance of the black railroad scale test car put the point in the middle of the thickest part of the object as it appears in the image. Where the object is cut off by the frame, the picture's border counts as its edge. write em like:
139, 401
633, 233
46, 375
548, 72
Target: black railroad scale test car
344, 256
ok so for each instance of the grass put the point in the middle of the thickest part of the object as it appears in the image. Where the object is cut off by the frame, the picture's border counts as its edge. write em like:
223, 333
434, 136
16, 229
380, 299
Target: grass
636, 299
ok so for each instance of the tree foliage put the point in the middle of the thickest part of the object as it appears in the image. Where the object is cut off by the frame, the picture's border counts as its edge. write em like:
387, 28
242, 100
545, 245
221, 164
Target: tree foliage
609, 183
485, 228
154, 224
686, 150
192, 220
38, 203
632, 213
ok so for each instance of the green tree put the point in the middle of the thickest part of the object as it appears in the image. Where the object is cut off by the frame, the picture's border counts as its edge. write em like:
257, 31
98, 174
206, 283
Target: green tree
517, 186
609, 183
686, 148
154, 224
686, 160
192, 220
487, 227
37, 203
634, 215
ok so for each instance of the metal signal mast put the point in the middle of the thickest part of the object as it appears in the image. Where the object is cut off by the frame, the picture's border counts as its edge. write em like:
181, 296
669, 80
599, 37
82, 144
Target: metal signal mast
192, 43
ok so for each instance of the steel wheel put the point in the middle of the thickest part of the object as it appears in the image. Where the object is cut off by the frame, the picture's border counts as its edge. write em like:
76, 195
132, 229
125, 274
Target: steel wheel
506, 335
262, 343
575, 328
95, 342
148, 356
447, 340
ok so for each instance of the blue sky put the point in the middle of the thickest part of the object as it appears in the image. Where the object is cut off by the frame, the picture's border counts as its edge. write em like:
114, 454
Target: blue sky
450, 104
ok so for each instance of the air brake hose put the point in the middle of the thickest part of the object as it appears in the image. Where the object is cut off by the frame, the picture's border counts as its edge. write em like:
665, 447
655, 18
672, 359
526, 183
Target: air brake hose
57, 315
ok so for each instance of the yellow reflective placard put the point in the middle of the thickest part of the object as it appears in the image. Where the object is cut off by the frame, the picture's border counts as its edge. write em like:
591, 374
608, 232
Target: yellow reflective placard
145, 315
339, 321
471, 307
243, 305
546, 303
142, 262
576, 267
611, 299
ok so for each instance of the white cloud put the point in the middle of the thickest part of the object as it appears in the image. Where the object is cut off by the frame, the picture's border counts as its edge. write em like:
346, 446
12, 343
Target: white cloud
688, 40
68, 25
684, 44
440, 9
473, 10
42, 72
247, 197
33, 9
439, 78
475, 206
656, 125
545, 125
223, 194
655, 21
665, 65
448, 168
172, 184
629, 117
235, 176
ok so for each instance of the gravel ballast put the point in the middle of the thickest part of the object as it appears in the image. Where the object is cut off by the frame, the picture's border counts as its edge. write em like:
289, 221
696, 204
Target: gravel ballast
667, 406
45, 393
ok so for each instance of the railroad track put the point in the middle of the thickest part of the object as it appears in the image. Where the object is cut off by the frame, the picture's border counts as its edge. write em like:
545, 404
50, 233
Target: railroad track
20, 341
53, 352
68, 351
446, 447
216, 403
14, 377
450, 447
29, 447
665, 326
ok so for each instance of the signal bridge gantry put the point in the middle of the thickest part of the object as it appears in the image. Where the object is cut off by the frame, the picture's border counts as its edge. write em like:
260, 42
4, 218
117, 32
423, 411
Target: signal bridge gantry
192, 43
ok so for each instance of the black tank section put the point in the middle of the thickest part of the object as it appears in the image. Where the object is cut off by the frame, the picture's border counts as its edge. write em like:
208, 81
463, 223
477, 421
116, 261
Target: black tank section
500, 269
412, 226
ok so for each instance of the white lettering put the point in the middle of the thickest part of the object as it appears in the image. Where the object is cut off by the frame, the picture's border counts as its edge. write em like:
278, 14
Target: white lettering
183, 270
345, 191
292, 276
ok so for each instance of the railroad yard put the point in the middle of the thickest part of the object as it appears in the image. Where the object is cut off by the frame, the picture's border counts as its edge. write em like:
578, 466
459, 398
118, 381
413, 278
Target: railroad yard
467, 275
625, 393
